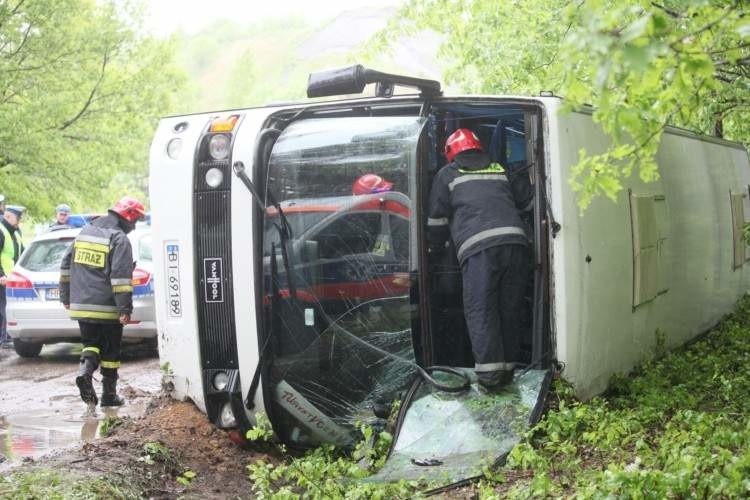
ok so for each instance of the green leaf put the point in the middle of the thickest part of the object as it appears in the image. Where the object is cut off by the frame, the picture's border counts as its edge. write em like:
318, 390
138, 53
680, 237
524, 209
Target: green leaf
700, 66
636, 58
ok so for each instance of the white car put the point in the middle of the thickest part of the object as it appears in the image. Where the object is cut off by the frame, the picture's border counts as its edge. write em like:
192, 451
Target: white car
34, 313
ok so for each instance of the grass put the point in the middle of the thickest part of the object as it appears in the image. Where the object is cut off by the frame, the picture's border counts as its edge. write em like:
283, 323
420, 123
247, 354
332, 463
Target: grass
676, 428
47, 484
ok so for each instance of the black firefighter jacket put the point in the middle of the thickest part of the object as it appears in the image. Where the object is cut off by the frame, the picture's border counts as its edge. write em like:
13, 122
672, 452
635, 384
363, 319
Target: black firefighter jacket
96, 273
480, 203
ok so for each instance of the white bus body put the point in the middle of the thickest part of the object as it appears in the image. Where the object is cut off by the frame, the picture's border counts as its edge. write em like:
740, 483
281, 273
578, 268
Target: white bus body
612, 286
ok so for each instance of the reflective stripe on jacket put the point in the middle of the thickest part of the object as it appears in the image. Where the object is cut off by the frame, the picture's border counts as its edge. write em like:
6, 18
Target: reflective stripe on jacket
478, 208
11, 249
96, 273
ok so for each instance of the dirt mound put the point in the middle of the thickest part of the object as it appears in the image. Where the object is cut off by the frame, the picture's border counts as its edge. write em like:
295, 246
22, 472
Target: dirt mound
198, 446
174, 437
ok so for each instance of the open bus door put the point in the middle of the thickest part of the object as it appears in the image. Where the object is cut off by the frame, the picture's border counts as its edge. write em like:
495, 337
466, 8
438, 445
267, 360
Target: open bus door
346, 299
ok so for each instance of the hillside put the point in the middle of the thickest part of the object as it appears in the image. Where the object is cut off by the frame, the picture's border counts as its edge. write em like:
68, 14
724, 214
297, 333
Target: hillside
230, 65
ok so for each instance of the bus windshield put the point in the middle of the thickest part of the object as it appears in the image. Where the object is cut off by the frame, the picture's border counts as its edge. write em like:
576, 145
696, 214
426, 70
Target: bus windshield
342, 341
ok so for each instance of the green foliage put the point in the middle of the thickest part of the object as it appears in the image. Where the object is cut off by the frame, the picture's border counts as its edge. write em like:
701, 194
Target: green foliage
80, 90
108, 425
154, 452
372, 450
262, 430
52, 485
641, 64
186, 477
678, 428
327, 472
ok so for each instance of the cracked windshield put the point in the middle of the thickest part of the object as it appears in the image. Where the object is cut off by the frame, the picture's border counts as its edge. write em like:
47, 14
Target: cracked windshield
339, 263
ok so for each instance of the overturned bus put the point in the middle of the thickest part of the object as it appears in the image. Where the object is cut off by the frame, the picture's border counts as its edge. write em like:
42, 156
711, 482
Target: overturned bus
281, 291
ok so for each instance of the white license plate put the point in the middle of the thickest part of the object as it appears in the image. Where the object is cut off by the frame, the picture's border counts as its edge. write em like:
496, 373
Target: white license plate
174, 292
53, 294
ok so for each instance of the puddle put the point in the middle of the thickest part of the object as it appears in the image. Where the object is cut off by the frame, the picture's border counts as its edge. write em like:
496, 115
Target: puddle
35, 433
41, 410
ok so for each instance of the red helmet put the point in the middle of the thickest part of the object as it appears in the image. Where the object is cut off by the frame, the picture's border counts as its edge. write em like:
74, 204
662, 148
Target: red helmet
371, 183
459, 141
129, 209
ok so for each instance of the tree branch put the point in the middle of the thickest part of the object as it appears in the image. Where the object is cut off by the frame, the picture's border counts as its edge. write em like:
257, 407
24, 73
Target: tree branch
85, 106
721, 51
23, 42
77, 138
716, 21
672, 13
14, 11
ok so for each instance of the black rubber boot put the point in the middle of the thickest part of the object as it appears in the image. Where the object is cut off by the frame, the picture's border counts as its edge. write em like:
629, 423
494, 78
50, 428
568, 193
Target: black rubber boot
109, 392
495, 379
86, 368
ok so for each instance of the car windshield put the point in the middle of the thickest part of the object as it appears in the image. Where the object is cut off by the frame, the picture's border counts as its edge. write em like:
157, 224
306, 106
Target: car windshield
45, 255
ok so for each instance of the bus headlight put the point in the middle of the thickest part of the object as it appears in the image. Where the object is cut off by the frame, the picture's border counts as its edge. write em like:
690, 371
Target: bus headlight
221, 379
218, 146
214, 177
227, 416
174, 147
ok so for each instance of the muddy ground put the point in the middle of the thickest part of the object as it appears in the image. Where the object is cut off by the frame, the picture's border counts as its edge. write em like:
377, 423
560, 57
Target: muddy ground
155, 447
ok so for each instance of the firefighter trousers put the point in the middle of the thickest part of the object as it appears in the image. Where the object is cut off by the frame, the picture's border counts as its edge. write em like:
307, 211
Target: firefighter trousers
494, 281
101, 342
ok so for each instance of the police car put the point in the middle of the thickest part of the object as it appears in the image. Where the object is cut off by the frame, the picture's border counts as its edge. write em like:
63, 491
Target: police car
34, 313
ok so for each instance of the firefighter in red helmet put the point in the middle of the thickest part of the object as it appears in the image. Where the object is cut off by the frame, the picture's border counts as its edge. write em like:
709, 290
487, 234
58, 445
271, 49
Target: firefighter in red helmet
371, 183
477, 204
96, 287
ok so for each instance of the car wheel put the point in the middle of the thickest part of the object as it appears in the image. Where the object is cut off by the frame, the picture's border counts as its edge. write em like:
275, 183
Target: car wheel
27, 349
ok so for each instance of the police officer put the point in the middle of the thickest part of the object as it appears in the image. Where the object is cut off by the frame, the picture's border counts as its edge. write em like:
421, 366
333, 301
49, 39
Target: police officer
96, 288
62, 214
477, 203
11, 248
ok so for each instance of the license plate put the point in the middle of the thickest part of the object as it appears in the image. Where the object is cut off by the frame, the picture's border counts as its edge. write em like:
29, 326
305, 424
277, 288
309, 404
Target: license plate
53, 294
174, 291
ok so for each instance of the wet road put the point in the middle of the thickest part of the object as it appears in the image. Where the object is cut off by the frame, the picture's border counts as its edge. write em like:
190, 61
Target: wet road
40, 409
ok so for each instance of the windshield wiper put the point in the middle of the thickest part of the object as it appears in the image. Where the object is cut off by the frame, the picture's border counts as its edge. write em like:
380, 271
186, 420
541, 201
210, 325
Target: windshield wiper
284, 228
285, 233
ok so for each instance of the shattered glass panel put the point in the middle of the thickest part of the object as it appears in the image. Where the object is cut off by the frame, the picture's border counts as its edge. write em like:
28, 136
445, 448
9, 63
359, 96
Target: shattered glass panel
339, 275
449, 437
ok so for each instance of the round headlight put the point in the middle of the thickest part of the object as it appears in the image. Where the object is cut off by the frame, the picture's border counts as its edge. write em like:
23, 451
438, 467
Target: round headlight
221, 380
227, 416
214, 177
218, 146
174, 147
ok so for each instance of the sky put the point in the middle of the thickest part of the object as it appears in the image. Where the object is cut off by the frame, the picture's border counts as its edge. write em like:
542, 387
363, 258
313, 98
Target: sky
167, 16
